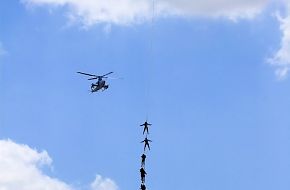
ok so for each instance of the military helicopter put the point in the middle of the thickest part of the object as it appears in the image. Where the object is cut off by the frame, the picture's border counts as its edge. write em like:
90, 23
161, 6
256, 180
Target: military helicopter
100, 84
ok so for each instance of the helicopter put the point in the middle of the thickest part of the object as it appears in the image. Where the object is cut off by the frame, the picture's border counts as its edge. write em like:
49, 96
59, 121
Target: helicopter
100, 84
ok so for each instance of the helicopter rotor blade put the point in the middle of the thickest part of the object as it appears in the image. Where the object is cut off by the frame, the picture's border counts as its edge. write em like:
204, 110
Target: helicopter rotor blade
93, 78
87, 74
103, 76
114, 78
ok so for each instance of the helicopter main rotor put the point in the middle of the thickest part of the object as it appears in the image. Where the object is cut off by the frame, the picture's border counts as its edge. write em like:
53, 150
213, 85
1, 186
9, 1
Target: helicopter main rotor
95, 76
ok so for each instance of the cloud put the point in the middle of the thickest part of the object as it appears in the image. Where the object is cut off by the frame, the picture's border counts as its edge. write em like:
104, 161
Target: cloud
20, 169
101, 183
2, 50
124, 12
281, 59
127, 12
214, 8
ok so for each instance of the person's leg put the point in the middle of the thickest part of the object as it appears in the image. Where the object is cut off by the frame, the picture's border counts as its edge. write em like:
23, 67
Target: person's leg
146, 144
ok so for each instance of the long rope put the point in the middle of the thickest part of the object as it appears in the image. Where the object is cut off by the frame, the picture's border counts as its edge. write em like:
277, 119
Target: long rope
146, 125
151, 60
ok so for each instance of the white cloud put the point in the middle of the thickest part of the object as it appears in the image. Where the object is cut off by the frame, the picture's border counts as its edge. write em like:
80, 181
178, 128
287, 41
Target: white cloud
90, 12
215, 8
20, 169
101, 183
124, 12
281, 59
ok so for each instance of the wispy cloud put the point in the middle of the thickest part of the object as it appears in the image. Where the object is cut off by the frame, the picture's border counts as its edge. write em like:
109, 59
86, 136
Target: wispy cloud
281, 59
21, 170
101, 183
127, 12
124, 12
218, 8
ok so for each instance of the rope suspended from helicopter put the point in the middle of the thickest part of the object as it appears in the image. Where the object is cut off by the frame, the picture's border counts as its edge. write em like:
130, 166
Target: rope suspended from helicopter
146, 125
151, 60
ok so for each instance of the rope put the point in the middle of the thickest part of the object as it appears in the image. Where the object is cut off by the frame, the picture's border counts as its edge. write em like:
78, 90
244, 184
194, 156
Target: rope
151, 60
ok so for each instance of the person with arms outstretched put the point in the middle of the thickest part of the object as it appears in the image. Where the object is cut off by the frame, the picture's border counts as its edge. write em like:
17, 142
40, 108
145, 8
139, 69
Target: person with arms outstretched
146, 124
146, 143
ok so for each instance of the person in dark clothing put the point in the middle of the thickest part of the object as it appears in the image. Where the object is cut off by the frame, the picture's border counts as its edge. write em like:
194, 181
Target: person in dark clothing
146, 143
143, 173
146, 124
143, 187
143, 157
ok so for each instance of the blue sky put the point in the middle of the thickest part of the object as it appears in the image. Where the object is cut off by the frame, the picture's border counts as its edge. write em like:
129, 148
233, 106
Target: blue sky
215, 87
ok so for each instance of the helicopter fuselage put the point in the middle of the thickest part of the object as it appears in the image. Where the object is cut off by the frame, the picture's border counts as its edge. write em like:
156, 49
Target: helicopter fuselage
99, 85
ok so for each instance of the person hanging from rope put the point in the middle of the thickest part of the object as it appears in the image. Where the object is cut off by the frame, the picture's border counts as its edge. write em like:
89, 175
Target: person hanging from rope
143, 157
143, 187
146, 124
146, 143
143, 173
